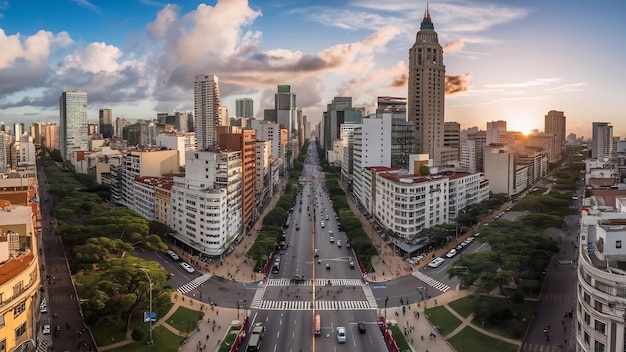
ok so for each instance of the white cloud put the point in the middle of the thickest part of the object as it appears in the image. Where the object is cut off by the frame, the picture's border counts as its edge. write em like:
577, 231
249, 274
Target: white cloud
33, 49
94, 58
532, 83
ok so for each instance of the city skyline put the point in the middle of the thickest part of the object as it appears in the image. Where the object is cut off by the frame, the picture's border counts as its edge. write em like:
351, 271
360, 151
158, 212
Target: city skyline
512, 62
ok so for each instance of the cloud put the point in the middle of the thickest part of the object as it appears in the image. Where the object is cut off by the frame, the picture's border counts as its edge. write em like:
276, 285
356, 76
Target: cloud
88, 5
232, 52
457, 84
531, 83
454, 46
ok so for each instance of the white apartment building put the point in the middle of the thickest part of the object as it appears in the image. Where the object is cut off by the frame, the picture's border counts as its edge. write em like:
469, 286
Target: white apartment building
371, 147
136, 163
268, 131
500, 169
206, 110
465, 189
207, 202
263, 171
181, 141
601, 291
406, 204
23, 151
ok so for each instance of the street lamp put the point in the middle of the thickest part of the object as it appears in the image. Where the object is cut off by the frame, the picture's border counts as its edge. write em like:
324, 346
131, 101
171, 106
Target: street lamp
150, 341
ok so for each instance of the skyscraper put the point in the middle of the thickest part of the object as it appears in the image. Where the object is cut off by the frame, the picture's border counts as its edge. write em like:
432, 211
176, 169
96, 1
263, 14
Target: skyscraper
73, 124
244, 107
206, 110
601, 140
105, 119
554, 123
425, 106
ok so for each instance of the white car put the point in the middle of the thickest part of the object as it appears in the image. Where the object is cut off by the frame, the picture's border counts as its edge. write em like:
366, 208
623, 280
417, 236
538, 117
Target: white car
338, 243
331, 239
341, 334
436, 262
46, 329
451, 253
187, 267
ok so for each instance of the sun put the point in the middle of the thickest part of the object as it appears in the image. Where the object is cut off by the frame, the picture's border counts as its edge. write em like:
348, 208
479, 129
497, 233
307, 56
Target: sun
523, 124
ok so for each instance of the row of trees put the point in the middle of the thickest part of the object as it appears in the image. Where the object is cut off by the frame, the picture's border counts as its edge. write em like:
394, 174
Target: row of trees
99, 240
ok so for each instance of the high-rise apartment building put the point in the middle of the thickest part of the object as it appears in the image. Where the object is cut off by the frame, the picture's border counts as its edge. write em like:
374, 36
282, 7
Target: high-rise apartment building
452, 139
206, 203
601, 140
18, 130
50, 136
105, 120
235, 138
426, 91
120, 123
206, 110
554, 123
73, 126
244, 107
494, 130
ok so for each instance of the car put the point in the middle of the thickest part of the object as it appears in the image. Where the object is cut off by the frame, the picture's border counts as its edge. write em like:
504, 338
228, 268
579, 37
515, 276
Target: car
451, 253
330, 232
327, 266
317, 254
322, 224
172, 255
460, 247
348, 245
338, 243
46, 329
187, 267
361, 326
298, 279
297, 227
477, 234
331, 239
351, 262
341, 334
436, 262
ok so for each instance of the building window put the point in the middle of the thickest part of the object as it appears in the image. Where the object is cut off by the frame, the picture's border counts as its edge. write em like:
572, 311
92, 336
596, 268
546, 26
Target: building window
618, 244
587, 318
586, 339
3, 345
598, 306
598, 346
600, 326
20, 331
19, 309
587, 298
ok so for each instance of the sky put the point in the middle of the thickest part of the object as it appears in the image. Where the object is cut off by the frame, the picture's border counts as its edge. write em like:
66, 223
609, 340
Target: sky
506, 60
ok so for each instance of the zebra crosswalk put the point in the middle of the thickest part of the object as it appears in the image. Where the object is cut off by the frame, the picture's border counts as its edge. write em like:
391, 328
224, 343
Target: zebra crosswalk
191, 285
43, 345
318, 282
369, 295
536, 347
430, 281
258, 297
319, 305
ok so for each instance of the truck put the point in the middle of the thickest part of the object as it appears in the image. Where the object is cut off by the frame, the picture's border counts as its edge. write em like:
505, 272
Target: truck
255, 337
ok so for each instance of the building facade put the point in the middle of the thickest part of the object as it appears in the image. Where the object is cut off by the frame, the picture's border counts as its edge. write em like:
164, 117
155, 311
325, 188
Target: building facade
244, 107
73, 132
426, 90
601, 140
555, 124
206, 104
206, 203
105, 123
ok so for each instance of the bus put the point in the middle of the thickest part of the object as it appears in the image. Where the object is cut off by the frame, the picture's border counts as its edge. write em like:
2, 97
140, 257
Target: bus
317, 325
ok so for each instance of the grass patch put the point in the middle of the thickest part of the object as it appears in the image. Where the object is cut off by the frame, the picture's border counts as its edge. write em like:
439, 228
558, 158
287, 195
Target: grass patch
442, 319
185, 319
469, 339
164, 340
108, 334
229, 339
463, 306
398, 336
516, 322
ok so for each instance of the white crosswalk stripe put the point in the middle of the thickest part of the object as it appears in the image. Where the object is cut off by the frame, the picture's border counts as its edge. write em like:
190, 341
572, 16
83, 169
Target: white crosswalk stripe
258, 296
191, 285
319, 305
370, 296
318, 282
430, 281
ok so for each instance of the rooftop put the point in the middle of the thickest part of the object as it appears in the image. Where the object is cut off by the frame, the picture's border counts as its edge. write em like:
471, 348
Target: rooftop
166, 181
19, 214
382, 168
14, 267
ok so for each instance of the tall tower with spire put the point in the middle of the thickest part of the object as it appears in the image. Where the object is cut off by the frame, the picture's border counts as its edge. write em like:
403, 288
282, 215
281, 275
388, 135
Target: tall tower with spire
425, 103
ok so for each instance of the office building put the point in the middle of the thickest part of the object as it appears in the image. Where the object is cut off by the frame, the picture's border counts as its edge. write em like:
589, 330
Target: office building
105, 120
554, 123
18, 130
206, 110
426, 90
601, 140
244, 107
73, 126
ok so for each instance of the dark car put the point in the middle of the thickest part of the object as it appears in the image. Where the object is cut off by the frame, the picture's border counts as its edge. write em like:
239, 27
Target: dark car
362, 328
